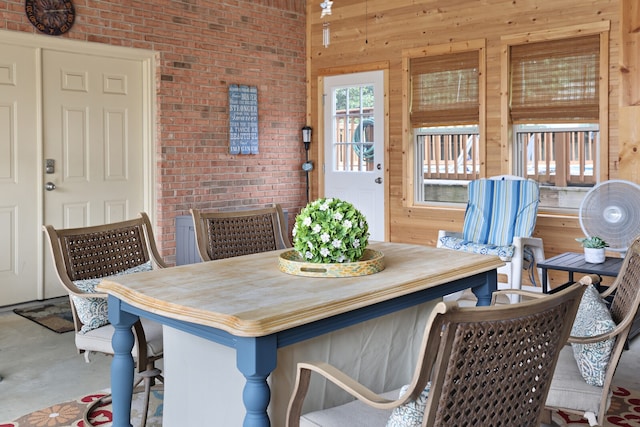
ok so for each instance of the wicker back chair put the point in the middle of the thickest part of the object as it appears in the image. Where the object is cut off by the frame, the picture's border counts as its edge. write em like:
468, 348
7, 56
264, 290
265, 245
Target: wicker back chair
484, 366
569, 391
82, 256
229, 234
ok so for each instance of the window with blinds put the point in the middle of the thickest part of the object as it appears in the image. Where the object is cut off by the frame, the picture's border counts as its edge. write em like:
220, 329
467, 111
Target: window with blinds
554, 105
444, 89
555, 81
445, 114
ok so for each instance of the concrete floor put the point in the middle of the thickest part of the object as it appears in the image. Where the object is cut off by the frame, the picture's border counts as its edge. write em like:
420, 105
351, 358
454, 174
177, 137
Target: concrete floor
40, 367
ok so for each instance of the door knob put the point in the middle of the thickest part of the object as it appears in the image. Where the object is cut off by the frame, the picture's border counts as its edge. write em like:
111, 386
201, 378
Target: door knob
49, 186
378, 180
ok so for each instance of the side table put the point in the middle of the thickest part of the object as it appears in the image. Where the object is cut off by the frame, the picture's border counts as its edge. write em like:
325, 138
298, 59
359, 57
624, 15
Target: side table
572, 262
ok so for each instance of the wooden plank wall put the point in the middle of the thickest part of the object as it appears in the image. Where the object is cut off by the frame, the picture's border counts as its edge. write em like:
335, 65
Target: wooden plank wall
629, 156
367, 33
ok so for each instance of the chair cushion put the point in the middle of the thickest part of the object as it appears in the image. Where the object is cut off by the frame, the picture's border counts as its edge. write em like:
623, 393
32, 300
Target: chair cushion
498, 210
411, 413
93, 312
593, 318
356, 413
568, 388
99, 339
459, 244
352, 414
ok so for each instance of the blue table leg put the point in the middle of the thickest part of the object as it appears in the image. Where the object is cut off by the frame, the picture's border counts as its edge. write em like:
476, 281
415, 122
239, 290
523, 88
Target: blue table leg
483, 292
122, 365
256, 358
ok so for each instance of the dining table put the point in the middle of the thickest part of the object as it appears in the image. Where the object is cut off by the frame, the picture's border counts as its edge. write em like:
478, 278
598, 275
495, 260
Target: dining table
249, 304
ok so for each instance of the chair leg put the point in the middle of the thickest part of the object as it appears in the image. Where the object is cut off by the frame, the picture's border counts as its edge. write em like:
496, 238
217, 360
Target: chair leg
545, 417
104, 400
145, 406
149, 376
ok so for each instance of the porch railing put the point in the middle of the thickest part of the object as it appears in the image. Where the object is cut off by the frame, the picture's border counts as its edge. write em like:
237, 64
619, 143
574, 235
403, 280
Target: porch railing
449, 156
559, 158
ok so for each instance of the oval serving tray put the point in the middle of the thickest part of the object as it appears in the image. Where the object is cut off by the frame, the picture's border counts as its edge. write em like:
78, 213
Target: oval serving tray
372, 261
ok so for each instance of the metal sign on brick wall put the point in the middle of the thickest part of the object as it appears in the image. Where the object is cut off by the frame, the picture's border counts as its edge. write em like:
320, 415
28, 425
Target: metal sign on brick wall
243, 119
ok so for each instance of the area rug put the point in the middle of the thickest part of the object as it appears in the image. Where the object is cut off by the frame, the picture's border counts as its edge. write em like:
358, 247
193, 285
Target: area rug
70, 414
55, 316
623, 412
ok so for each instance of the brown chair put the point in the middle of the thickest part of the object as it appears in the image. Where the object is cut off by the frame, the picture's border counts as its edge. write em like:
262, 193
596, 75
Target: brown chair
82, 257
484, 366
229, 234
569, 391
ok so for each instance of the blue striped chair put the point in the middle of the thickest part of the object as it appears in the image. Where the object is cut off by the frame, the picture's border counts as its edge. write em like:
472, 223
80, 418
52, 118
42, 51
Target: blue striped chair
499, 220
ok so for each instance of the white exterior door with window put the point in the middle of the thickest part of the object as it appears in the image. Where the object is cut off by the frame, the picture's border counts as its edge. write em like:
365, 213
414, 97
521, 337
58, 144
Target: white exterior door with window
354, 144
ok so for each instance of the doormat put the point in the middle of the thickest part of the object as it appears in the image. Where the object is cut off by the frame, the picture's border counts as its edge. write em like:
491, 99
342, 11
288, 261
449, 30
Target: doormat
55, 316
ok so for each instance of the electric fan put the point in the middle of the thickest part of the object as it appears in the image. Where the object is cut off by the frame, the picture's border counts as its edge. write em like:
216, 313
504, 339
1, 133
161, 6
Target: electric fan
611, 211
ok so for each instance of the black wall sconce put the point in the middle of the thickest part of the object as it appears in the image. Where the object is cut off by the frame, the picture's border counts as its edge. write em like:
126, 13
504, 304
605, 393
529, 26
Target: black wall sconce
307, 166
306, 136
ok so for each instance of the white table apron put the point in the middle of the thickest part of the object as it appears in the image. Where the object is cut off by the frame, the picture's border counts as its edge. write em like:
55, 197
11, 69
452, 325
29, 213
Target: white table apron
380, 353
247, 304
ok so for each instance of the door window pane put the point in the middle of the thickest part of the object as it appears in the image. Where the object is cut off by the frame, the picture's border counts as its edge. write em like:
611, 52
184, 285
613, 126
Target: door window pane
353, 129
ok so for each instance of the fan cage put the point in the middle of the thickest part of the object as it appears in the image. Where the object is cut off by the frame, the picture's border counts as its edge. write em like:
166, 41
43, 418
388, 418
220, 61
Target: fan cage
611, 211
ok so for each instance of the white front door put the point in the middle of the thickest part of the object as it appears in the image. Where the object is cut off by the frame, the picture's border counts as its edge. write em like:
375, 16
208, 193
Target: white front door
85, 108
93, 135
19, 175
354, 144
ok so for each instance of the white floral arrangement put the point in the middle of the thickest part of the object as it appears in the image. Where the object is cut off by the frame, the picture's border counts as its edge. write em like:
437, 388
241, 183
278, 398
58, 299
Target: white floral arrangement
330, 231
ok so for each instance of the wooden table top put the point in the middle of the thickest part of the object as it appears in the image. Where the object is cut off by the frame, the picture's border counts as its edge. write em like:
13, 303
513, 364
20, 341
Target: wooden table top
249, 296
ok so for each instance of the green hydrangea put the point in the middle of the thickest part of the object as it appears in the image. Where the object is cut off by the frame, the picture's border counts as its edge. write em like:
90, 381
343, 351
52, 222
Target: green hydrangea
330, 231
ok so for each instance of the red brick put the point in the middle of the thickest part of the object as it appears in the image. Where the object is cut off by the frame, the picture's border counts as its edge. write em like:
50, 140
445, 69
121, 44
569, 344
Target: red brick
204, 46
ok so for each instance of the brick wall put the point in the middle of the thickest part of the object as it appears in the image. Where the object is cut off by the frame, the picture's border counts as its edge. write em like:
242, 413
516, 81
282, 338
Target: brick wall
203, 46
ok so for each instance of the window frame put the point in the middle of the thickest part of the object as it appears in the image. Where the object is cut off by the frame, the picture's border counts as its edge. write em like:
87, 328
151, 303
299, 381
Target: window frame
508, 132
409, 142
453, 196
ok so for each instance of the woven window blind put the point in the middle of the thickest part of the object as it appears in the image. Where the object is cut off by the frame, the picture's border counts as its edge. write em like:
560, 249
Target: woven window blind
555, 80
444, 89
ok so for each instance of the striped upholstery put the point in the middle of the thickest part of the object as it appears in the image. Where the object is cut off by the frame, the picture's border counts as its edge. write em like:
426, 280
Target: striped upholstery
497, 211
